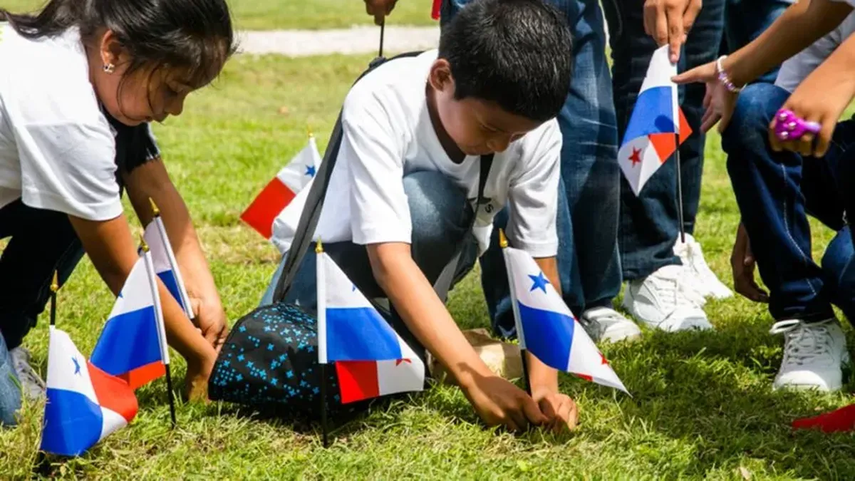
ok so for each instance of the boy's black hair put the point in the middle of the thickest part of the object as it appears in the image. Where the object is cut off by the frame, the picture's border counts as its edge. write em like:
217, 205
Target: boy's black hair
193, 35
517, 53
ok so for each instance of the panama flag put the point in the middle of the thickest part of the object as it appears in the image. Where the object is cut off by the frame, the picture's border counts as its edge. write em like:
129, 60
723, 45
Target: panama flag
84, 404
371, 358
165, 265
282, 189
548, 329
649, 139
130, 345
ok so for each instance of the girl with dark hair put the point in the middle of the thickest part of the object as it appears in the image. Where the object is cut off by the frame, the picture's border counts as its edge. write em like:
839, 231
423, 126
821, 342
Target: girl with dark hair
80, 83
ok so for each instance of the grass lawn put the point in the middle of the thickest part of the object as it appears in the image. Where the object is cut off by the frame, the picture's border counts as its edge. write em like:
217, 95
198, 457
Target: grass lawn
297, 14
702, 403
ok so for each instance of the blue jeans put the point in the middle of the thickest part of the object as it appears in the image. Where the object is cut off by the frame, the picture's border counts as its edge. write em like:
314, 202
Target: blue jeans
588, 203
776, 191
10, 391
442, 220
649, 223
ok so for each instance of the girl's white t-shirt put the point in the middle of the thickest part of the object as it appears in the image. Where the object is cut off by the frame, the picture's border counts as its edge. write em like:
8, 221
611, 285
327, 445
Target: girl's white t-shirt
57, 151
387, 134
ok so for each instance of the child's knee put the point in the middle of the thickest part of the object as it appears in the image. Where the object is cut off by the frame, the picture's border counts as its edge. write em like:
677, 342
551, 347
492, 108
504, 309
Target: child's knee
754, 110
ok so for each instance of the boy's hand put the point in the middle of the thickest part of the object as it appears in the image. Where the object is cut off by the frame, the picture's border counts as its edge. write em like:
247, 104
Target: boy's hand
559, 409
742, 262
718, 102
379, 9
669, 22
498, 402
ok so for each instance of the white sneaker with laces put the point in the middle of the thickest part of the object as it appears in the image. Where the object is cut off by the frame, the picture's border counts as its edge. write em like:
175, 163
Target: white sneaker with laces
607, 324
705, 280
813, 355
32, 385
666, 300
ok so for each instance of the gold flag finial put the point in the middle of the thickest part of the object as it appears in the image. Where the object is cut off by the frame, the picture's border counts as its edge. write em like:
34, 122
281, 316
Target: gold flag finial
309, 131
54, 284
143, 245
503, 241
154, 208
319, 247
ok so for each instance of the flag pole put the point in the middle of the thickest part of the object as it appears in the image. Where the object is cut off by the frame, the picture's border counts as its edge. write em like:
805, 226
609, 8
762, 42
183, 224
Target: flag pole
503, 243
54, 286
382, 34
322, 335
679, 189
173, 263
161, 331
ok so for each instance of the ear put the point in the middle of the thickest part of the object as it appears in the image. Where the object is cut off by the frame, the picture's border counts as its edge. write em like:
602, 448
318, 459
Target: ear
440, 77
110, 49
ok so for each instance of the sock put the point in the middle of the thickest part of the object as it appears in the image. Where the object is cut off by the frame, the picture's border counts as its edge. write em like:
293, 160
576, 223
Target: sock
840, 420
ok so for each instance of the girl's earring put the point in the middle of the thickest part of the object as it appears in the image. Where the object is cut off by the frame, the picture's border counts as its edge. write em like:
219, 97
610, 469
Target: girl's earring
109, 68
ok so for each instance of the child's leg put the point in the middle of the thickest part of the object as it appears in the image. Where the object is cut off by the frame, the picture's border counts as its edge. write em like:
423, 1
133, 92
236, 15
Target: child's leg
10, 392
42, 242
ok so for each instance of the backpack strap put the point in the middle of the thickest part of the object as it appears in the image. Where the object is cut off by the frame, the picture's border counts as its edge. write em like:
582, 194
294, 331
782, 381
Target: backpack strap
315, 199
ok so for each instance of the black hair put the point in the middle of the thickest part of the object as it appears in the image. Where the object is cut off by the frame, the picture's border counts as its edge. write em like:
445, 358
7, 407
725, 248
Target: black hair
517, 53
193, 35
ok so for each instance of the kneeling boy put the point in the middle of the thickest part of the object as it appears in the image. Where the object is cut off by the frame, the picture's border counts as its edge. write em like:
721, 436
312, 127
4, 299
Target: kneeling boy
433, 144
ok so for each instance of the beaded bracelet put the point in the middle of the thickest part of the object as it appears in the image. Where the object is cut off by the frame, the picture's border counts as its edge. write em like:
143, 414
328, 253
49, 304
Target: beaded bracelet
723, 78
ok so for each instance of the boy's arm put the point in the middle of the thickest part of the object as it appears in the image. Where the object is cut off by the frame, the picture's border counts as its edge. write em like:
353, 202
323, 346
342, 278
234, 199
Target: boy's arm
151, 180
496, 400
559, 408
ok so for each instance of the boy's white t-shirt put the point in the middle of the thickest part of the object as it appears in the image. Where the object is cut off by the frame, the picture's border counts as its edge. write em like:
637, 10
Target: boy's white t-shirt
799, 66
57, 151
387, 134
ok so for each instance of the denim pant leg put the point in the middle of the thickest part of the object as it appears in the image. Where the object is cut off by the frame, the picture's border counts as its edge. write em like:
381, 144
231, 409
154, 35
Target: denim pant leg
441, 218
775, 193
10, 391
649, 222
745, 20
838, 270
42, 242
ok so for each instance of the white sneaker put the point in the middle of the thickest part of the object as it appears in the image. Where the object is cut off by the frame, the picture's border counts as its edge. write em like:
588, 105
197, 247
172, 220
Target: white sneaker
813, 355
705, 280
666, 300
32, 385
607, 324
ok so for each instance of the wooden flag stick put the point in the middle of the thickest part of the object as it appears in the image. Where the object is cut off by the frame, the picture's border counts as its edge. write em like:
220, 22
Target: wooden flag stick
54, 286
503, 243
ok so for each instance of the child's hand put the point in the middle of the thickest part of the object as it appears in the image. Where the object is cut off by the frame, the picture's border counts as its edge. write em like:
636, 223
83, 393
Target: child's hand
669, 21
559, 409
211, 319
743, 264
718, 102
820, 98
498, 402
198, 372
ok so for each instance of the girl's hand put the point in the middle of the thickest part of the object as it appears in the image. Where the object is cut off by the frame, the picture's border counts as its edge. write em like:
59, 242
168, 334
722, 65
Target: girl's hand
559, 409
198, 372
211, 319
719, 102
669, 21
820, 98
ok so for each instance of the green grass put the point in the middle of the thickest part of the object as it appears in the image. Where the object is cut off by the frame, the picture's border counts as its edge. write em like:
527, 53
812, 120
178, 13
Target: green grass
702, 404
297, 14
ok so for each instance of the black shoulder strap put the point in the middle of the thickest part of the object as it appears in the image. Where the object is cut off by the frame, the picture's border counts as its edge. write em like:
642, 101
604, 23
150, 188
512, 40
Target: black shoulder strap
315, 199
486, 163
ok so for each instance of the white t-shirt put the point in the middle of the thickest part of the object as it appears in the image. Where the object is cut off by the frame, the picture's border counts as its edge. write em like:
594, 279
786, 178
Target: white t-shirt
799, 66
57, 150
388, 134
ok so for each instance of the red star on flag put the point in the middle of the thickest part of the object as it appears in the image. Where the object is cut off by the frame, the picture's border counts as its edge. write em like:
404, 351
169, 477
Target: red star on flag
635, 158
605, 361
399, 361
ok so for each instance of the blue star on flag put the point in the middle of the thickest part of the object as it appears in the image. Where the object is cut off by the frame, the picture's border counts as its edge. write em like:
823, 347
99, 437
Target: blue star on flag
76, 365
540, 282
310, 170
